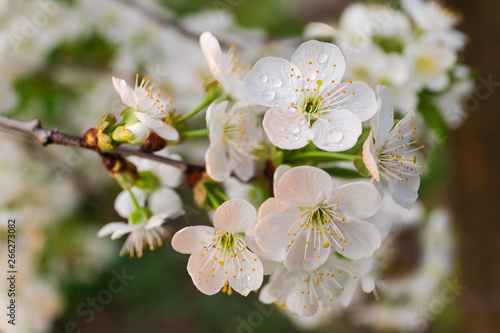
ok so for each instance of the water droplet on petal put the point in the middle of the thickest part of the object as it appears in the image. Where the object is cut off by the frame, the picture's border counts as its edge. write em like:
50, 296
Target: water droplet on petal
248, 278
263, 78
323, 57
334, 136
281, 128
268, 95
302, 121
277, 83
311, 74
294, 128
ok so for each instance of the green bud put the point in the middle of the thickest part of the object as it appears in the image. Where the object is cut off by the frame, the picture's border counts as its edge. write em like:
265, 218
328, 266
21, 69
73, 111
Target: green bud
106, 121
209, 194
121, 170
140, 216
148, 182
105, 142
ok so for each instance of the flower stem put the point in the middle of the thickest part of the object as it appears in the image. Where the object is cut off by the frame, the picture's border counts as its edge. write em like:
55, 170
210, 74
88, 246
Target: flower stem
195, 133
322, 154
136, 204
209, 98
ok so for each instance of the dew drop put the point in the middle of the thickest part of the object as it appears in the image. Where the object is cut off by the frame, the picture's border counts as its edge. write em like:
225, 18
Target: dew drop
277, 83
302, 121
268, 95
311, 75
263, 78
248, 278
334, 136
281, 128
293, 128
295, 137
323, 57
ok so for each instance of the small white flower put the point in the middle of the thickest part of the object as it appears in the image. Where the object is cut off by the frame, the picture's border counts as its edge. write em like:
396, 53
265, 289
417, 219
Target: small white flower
432, 17
308, 100
225, 68
169, 176
163, 203
305, 292
219, 256
431, 58
148, 105
234, 136
390, 158
139, 131
315, 215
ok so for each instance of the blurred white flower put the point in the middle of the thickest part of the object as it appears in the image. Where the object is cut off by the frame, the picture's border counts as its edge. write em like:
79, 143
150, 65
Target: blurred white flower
308, 100
144, 224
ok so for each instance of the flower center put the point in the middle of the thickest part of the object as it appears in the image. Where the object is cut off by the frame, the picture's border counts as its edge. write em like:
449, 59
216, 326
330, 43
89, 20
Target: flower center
229, 244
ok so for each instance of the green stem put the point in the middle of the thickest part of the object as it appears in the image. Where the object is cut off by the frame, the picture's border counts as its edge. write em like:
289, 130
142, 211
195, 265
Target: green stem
136, 204
322, 154
213, 200
222, 195
209, 98
195, 133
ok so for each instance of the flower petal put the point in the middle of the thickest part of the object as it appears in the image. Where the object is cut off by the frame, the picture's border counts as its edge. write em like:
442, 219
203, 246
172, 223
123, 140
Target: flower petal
166, 201
236, 216
272, 232
320, 61
124, 205
109, 228
304, 186
362, 238
213, 54
199, 267
269, 82
359, 200
287, 128
356, 97
124, 230
280, 171
215, 121
267, 207
155, 221
193, 239
245, 275
217, 164
337, 131
383, 122
302, 256
369, 157
404, 193
160, 127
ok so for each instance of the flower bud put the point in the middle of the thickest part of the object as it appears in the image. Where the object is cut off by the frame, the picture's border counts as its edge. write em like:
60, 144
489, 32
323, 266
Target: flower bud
209, 194
138, 133
121, 170
154, 143
148, 182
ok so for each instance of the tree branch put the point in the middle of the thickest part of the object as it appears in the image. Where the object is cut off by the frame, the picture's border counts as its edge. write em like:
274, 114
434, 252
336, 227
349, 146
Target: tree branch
45, 137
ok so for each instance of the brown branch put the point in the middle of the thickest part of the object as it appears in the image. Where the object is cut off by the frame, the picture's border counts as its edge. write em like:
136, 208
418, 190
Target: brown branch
45, 137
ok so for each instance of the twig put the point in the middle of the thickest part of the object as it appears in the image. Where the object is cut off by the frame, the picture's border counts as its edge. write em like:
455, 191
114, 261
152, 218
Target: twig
45, 137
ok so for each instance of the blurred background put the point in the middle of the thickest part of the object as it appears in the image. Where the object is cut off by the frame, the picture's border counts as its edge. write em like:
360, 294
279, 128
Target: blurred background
57, 59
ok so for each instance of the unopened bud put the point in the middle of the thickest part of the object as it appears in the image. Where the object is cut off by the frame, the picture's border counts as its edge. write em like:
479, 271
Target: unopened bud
106, 122
121, 170
138, 133
209, 194
154, 143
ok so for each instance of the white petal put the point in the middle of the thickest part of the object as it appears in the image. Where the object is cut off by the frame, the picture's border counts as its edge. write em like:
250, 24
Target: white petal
267, 207
404, 193
217, 164
363, 239
166, 131
116, 83
109, 228
318, 29
200, 269
244, 276
244, 169
362, 103
304, 186
280, 171
337, 131
359, 200
320, 61
367, 283
155, 221
193, 239
213, 54
383, 122
369, 157
215, 121
269, 82
272, 232
127, 95
124, 205
124, 230
305, 257
236, 216
166, 201
287, 128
